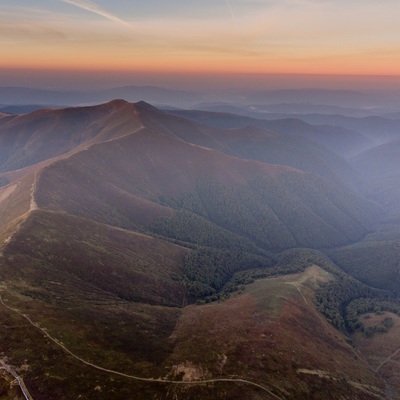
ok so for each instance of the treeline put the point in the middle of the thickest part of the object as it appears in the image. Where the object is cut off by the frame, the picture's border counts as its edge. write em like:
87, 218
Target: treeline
213, 274
206, 270
363, 306
333, 297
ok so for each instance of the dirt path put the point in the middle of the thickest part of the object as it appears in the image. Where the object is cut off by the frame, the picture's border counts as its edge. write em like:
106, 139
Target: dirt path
387, 359
19, 380
134, 377
33, 205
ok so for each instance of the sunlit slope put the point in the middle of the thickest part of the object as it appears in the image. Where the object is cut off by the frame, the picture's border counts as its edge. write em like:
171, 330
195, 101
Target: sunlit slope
133, 181
30, 138
16, 201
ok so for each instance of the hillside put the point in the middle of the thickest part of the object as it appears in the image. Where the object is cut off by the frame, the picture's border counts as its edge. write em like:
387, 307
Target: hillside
131, 241
341, 138
30, 138
381, 165
111, 183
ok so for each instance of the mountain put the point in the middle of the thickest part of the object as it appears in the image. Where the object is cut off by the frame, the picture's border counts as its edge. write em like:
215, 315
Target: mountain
20, 96
166, 158
343, 141
144, 255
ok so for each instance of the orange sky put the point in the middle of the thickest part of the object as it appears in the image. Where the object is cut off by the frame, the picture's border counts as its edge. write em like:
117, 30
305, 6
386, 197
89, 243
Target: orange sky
241, 36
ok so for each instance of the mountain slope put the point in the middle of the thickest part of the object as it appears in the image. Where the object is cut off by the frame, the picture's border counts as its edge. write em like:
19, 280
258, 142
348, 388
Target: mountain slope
30, 138
103, 181
128, 216
381, 167
333, 134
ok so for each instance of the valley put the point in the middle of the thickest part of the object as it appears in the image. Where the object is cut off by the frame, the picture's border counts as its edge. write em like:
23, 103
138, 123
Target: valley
155, 254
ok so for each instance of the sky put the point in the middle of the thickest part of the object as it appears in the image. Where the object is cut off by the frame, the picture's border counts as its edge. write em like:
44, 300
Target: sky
58, 43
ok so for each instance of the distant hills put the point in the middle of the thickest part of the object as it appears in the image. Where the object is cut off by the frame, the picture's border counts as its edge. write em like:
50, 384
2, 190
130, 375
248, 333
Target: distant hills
13, 96
254, 102
148, 253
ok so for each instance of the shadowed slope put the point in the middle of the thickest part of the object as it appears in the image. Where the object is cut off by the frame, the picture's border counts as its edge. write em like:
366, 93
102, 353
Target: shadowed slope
381, 166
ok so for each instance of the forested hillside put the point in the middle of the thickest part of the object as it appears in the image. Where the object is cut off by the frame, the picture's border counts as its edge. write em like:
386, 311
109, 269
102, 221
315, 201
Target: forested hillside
124, 228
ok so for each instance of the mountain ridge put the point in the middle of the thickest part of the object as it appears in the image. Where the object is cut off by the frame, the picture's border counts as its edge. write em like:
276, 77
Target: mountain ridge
135, 215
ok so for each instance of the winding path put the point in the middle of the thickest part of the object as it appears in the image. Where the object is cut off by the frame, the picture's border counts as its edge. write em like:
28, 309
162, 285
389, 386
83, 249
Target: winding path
134, 377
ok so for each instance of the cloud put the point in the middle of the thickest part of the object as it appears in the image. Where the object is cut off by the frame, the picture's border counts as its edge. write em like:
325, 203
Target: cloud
94, 8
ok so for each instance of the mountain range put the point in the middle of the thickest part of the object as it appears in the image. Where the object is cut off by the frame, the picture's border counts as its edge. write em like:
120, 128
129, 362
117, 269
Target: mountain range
161, 254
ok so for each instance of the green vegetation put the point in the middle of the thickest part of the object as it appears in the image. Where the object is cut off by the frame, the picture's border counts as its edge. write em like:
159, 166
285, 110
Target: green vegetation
374, 261
207, 270
186, 226
274, 213
333, 298
362, 306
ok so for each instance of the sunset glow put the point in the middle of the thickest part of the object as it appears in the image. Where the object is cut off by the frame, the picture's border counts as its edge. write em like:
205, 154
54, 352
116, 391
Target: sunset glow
240, 36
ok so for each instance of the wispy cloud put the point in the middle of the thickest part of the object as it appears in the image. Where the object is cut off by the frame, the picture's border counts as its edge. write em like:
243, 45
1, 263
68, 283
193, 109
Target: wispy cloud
228, 4
94, 8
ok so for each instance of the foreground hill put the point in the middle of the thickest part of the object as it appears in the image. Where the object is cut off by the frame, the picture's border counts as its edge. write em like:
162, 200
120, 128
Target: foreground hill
116, 219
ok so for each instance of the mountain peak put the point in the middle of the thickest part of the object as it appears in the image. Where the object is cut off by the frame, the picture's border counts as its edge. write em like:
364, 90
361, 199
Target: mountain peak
118, 102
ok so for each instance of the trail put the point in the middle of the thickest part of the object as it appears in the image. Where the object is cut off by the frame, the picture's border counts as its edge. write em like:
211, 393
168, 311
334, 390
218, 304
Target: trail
19, 380
134, 377
387, 360
33, 205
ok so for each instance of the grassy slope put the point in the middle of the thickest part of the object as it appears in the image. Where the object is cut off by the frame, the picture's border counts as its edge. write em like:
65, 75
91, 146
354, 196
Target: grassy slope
270, 334
108, 294
127, 265
15, 202
31, 138
381, 350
